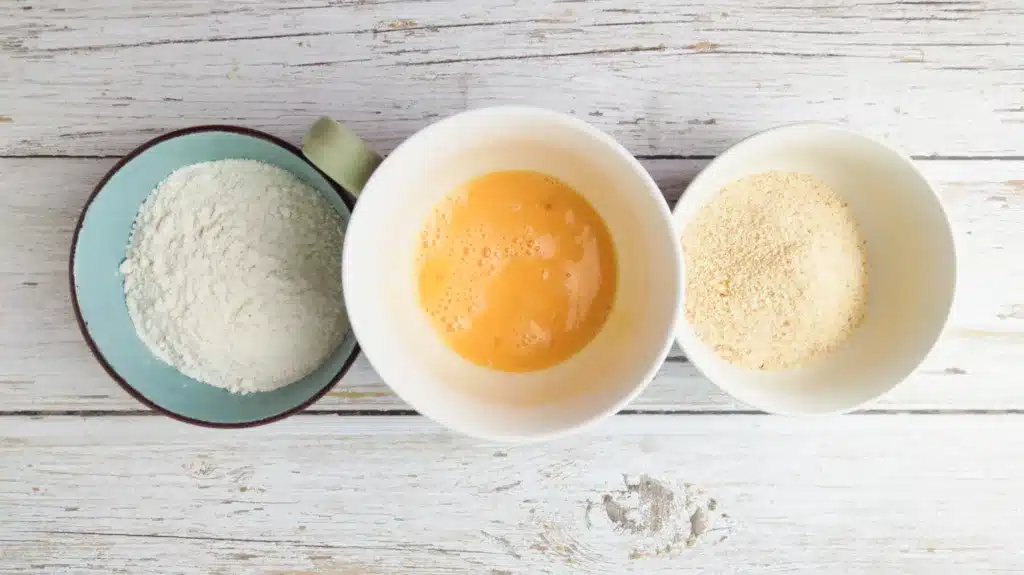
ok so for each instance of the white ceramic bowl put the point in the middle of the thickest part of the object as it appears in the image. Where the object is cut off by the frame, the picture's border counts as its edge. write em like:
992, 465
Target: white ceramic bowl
911, 267
395, 334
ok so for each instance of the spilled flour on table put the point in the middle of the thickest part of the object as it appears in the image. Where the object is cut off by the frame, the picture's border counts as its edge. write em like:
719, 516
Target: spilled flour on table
655, 517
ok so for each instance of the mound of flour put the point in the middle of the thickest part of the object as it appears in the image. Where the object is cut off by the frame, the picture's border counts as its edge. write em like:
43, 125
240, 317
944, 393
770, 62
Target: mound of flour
232, 275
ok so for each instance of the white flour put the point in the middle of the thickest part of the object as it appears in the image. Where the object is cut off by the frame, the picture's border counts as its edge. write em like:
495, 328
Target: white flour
233, 275
658, 517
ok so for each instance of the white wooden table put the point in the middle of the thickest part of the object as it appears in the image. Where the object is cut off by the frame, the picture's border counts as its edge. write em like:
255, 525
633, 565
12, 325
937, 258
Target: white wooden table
928, 480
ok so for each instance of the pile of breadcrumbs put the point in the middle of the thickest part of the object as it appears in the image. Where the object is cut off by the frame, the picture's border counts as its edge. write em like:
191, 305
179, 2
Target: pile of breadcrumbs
775, 271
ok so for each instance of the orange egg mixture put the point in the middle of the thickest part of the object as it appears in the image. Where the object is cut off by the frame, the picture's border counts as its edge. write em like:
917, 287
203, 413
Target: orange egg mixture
516, 271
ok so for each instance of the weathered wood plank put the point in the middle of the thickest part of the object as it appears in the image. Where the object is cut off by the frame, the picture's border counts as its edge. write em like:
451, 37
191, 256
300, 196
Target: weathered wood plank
45, 366
668, 77
323, 493
327, 494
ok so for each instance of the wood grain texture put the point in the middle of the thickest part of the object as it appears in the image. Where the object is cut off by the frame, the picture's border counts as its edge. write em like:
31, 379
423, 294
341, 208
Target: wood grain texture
676, 77
118, 491
44, 365
369, 495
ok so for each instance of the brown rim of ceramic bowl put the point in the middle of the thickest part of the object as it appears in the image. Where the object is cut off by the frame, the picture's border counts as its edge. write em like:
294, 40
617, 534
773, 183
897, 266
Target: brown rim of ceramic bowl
346, 199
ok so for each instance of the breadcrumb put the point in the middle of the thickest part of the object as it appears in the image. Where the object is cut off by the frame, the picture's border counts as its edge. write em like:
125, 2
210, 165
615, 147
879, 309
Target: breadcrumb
776, 273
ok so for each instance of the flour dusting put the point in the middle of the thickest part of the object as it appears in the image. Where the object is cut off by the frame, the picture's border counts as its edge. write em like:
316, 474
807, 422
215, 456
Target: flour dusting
232, 275
658, 517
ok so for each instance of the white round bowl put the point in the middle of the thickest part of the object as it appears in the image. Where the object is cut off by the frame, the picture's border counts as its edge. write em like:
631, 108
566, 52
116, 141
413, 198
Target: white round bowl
378, 273
911, 267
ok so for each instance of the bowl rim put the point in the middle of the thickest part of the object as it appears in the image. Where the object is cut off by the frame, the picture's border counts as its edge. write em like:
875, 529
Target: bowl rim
948, 228
83, 328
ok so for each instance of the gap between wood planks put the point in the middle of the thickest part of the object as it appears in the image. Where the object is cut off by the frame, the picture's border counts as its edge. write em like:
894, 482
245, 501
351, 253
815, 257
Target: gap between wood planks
706, 157
388, 412
386, 29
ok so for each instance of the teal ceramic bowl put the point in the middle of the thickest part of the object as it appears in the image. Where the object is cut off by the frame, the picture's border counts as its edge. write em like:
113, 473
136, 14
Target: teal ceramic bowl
97, 289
